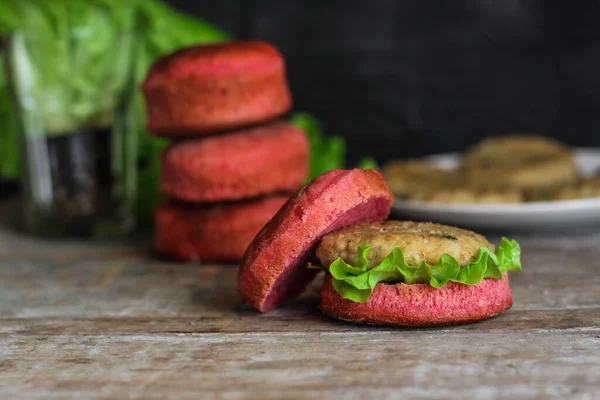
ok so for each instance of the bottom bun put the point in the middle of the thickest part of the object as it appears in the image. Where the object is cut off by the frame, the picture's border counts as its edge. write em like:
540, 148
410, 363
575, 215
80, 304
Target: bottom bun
421, 305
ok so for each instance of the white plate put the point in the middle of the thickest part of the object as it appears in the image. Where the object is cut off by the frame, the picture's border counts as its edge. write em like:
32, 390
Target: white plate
537, 216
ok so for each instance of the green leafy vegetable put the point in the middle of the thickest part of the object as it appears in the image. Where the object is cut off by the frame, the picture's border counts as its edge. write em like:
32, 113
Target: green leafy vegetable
78, 45
8, 139
325, 152
368, 163
167, 29
357, 282
71, 58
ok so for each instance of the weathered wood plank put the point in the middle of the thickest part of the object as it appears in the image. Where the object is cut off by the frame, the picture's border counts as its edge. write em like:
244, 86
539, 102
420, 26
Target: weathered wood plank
142, 287
108, 320
419, 365
294, 319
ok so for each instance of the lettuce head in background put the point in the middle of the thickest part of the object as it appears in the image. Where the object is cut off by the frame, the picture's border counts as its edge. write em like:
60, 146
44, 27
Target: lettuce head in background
74, 41
326, 152
72, 72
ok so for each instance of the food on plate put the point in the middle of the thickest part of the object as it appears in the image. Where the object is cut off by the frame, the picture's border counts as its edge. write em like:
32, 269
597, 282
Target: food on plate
210, 88
246, 163
509, 169
471, 195
397, 273
410, 178
404, 273
524, 162
584, 188
215, 232
422, 181
274, 267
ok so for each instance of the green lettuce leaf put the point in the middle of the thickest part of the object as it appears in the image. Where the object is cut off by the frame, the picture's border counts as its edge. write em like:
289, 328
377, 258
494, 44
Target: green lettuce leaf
325, 152
9, 164
72, 58
76, 43
367, 163
356, 282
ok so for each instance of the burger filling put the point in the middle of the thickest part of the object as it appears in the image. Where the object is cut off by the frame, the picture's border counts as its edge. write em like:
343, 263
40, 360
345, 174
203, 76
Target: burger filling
357, 282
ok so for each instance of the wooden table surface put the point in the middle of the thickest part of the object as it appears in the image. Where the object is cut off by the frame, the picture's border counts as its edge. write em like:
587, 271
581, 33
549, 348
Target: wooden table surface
93, 320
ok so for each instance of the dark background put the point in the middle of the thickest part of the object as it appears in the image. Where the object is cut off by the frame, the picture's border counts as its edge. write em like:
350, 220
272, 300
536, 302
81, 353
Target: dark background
408, 78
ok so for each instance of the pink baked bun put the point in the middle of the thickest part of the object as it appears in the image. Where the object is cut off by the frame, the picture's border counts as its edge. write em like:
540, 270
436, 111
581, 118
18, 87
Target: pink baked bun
216, 232
215, 87
421, 305
274, 267
241, 164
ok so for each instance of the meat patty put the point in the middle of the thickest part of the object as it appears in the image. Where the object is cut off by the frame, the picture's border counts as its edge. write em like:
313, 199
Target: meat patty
421, 181
414, 178
419, 241
471, 195
585, 188
524, 162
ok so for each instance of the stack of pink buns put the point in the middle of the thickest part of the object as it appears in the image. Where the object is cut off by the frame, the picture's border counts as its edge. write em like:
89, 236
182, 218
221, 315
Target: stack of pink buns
232, 163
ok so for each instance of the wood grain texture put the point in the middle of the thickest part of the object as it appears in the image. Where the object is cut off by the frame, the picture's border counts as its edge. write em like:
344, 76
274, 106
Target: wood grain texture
108, 320
369, 364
